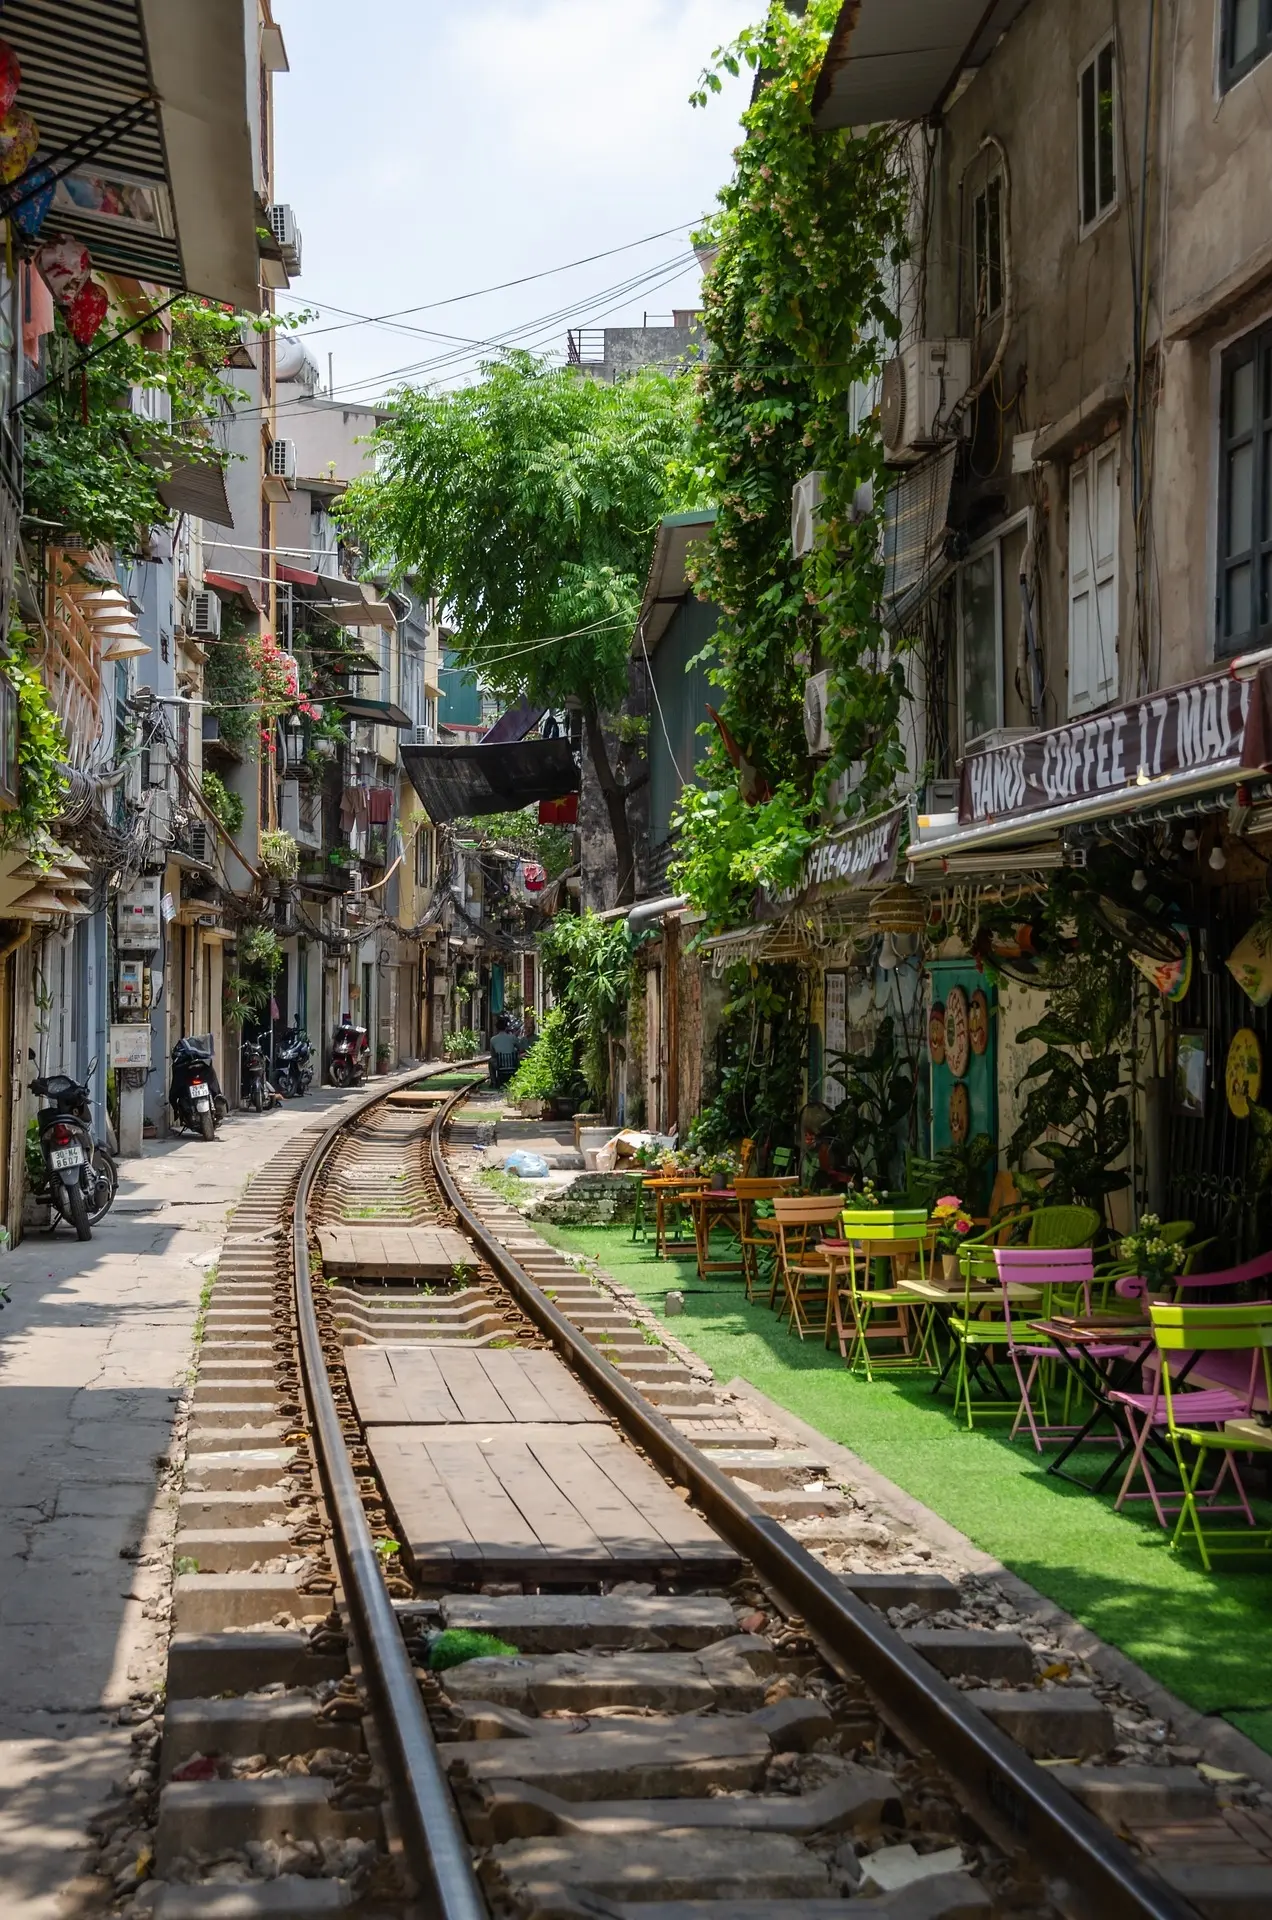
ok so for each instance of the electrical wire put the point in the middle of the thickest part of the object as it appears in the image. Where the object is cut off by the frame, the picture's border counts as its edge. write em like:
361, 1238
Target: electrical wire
355, 319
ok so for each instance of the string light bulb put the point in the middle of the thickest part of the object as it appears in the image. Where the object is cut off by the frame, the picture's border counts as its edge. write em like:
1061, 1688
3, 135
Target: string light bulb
1218, 859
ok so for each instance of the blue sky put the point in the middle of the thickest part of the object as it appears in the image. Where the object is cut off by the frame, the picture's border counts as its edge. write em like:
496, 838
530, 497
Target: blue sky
430, 150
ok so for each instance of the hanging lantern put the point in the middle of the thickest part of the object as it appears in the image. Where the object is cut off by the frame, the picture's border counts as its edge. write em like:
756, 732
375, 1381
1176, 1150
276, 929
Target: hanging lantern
19, 138
65, 267
37, 197
85, 313
10, 76
898, 909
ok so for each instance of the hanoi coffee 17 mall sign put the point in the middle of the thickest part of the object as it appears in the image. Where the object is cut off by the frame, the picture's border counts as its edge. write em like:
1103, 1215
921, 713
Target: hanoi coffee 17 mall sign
1218, 723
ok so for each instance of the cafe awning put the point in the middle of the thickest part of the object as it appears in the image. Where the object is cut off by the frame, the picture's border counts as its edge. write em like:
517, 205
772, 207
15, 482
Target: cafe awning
1166, 748
900, 59
456, 782
376, 713
142, 112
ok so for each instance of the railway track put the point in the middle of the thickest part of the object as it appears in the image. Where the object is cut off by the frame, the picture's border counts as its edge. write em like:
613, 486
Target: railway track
681, 1712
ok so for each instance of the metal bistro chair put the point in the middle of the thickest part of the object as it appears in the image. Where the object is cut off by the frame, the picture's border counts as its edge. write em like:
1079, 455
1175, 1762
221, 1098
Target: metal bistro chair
1213, 1330
873, 1233
755, 1243
1065, 1273
802, 1269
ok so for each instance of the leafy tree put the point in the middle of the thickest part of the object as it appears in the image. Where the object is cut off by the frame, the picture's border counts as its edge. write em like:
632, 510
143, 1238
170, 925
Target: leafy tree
527, 505
587, 962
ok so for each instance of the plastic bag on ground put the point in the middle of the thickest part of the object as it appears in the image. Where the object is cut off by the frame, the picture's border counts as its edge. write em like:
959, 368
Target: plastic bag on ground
530, 1166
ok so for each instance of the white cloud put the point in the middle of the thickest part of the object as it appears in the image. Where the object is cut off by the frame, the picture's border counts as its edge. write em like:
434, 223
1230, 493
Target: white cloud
429, 150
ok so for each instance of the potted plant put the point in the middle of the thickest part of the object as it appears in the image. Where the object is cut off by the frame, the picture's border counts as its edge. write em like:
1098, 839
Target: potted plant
382, 1057
1154, 1260
952, 1226
721, 1169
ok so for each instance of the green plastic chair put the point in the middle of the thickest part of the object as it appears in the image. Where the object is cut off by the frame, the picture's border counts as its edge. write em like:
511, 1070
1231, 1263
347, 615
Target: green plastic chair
1211, 1330
1061, 1229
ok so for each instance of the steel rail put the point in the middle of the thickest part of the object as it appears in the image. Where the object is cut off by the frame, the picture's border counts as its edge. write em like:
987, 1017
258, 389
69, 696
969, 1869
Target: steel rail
1091, 1874
436, 1847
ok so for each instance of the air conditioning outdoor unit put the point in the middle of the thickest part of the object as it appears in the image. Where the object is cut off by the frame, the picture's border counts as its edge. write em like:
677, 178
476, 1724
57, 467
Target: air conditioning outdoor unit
816, 731
282, 224
920, 388
997, 737
806, 499
203, 614
419, 737
281, 464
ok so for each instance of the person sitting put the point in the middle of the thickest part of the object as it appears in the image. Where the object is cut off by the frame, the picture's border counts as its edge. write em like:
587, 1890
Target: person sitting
503, 1053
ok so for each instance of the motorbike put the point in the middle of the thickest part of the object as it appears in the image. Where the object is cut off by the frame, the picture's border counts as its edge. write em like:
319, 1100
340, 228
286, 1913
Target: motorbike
293, 1063
80, 1177
195, 1094
257, 1091
350, 1052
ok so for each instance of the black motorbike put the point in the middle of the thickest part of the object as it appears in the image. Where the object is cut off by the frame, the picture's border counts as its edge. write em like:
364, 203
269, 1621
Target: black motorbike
195, 1093
80, 1178
257, 1091
293, 1063
350, 1052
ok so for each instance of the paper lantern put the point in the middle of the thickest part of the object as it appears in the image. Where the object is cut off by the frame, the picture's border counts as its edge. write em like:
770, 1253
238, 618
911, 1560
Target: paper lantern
37, 197
10, 76
85, 313
19, 138
65, 267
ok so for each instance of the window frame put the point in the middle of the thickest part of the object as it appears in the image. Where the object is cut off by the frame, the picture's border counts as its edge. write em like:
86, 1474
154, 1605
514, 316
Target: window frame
987, 260
1232, 72
991, 543
1110, 449
1108, 44
1252, 349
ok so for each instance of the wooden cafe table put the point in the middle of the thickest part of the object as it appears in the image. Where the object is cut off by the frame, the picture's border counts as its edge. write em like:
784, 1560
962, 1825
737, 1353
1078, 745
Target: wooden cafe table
670, 1189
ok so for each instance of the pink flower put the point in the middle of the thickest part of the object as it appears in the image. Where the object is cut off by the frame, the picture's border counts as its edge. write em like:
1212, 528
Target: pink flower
950, 1201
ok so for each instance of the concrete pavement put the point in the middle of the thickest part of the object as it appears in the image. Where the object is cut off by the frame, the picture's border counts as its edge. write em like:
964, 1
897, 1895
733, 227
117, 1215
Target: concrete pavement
94, 1353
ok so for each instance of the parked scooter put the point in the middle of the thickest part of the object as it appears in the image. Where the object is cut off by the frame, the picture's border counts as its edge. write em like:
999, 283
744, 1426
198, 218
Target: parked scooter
195, 1093
350, 1054
257, 1091
80, 1177
293, 1063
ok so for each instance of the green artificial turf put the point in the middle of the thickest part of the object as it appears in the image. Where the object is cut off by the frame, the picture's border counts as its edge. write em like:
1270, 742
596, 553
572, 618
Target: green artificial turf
1205, 1636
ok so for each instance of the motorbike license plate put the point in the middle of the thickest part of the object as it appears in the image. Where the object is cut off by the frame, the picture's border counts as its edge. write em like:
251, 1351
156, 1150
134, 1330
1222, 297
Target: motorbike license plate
62, 1157
203, 1099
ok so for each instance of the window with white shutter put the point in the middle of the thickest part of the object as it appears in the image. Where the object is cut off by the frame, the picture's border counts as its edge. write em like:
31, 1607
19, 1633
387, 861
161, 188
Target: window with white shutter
1093, 677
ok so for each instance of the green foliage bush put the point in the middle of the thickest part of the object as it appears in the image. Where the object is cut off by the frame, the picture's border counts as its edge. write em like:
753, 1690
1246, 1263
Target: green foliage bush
280, 855
548, 1071
462, 1044
225, 804
41, 750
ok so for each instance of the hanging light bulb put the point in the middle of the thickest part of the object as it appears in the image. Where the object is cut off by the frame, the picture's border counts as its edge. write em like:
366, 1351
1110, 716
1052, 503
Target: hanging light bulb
1218, 859
1139, 879
889, 958
1192, 839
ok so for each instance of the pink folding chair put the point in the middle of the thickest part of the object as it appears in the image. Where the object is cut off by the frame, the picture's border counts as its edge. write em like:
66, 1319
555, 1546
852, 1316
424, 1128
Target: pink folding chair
1070, 1272
1194, 1407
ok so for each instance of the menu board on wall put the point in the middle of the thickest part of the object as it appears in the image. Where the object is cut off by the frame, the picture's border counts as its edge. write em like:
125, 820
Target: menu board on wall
835, 1020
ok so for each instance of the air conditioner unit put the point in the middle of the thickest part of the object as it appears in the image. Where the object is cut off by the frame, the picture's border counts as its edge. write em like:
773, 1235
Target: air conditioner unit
419, 736
151, 403
806, 499
203, 613
941, 796
920, 388
997, 737
196, 840
816, 732
282, 224
281, 463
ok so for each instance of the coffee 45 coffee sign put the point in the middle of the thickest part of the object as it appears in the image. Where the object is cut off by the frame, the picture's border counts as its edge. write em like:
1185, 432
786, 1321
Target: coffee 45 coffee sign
1219, 722
862, 855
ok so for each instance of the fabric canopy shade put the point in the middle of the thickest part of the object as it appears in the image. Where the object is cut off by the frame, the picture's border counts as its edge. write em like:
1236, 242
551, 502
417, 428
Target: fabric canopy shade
380, 713
456, 782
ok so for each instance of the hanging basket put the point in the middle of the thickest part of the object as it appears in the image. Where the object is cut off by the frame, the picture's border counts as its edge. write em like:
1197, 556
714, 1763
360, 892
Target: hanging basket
898, 909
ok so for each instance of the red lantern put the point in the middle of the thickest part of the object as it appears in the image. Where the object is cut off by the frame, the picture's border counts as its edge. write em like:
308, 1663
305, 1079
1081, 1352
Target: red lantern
10, 77
85, 313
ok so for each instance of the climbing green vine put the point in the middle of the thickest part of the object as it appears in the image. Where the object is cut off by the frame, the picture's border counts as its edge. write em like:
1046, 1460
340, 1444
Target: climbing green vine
41, 750
797, 313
